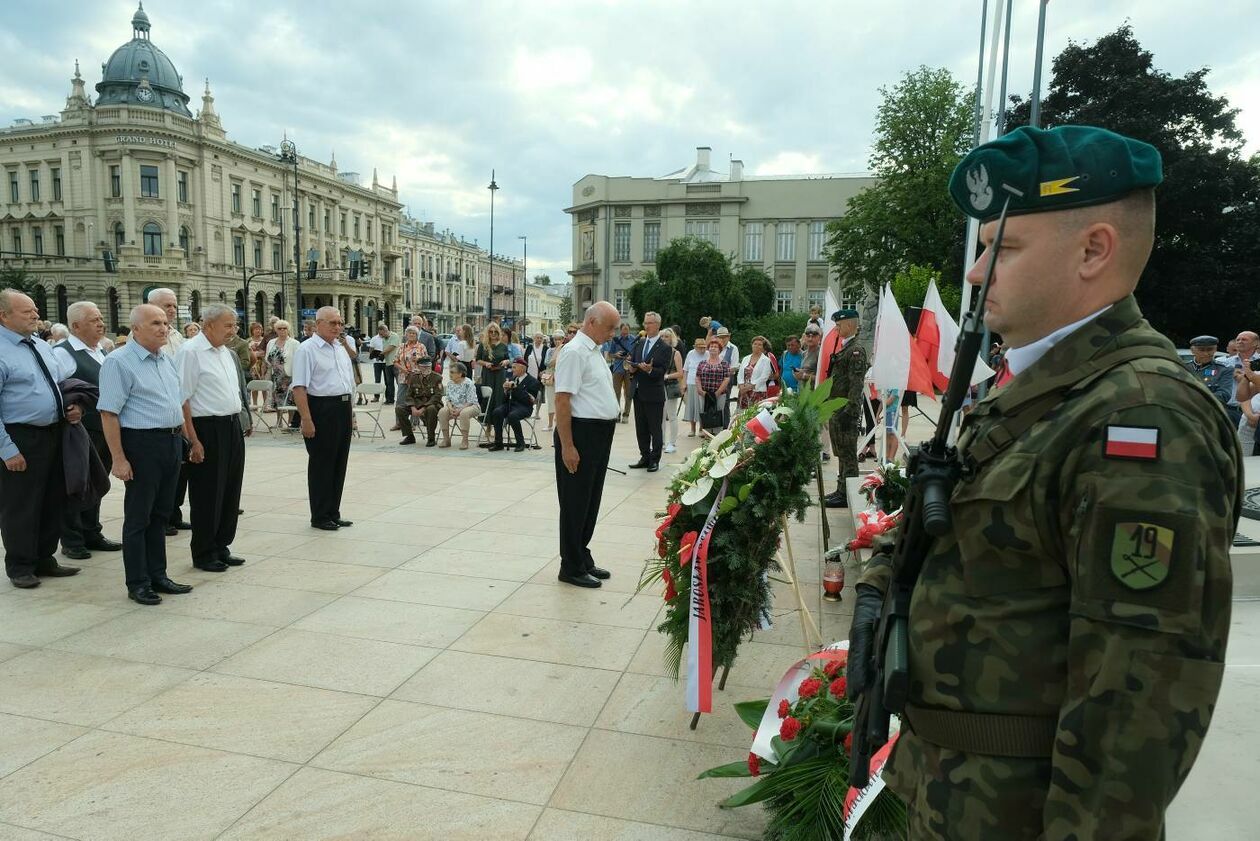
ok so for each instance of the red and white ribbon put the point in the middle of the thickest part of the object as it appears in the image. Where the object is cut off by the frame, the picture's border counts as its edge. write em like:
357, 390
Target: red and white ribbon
700, 623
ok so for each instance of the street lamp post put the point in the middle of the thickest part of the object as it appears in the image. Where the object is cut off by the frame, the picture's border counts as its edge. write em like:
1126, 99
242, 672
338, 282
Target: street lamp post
490, 287
524, 279
289, 155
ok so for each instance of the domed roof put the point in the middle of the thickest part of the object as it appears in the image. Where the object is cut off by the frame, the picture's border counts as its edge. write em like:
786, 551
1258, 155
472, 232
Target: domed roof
138, 73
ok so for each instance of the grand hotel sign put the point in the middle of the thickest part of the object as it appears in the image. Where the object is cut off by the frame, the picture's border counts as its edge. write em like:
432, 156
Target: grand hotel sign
145, 140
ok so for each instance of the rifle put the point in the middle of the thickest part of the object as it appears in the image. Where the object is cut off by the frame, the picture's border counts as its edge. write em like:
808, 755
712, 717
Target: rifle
934, 469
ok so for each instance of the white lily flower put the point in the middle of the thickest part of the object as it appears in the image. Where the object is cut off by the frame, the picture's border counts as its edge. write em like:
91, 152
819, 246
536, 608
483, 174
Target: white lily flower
698, 491
724, 465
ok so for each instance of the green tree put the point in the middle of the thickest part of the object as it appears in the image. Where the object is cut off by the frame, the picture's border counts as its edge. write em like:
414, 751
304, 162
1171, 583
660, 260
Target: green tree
1201, 275
758, 292
542, 279
910, 287
14, 276
922, 129
566, 309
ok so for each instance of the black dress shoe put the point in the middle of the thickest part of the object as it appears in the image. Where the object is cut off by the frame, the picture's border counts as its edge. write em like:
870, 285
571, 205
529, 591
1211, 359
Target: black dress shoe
519, 448
231, 560
210, 565
166, 585
652, 468
181, 525
327, 525
639, 464
345, 524
494, 448
25, 582
410, 439
836, 502
171, 531
57, 571
75, 553
583, 580
144, 595
104, 545
601, 574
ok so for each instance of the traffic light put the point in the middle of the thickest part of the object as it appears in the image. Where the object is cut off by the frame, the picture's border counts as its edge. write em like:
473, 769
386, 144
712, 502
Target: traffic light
111, 267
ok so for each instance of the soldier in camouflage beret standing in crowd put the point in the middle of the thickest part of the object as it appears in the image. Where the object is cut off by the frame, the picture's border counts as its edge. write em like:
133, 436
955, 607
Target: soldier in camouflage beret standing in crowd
1067, 638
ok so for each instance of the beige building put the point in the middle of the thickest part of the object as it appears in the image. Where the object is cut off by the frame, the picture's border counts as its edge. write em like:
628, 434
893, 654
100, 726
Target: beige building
542, 308
177, 204
447, 277
777, 223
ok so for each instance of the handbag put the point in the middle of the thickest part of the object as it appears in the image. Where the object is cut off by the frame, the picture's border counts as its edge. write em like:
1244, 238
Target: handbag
773, 388
711, 415
672, 390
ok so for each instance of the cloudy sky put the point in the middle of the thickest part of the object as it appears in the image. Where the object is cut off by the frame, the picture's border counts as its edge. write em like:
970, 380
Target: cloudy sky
544, 92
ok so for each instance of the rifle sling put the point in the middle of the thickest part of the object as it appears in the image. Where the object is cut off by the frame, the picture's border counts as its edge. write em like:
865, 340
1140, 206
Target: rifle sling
1027, 736
1035, 407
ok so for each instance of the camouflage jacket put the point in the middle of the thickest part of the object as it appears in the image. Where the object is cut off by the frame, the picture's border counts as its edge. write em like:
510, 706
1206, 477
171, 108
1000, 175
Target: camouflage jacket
847, 371
422, 391
1086, 584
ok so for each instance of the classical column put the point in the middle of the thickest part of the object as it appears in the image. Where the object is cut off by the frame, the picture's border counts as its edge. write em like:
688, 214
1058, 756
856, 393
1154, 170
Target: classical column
170, 195
129, 201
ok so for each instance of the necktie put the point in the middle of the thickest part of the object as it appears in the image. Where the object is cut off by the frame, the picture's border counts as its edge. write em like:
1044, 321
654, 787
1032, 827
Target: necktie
1003, 376
52, 384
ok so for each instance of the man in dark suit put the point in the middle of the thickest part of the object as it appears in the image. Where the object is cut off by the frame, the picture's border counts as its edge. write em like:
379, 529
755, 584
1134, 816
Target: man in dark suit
520, 392
650, 361
81, 527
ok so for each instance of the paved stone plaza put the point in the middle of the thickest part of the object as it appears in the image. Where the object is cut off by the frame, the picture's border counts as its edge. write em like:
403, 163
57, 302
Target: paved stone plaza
421, 675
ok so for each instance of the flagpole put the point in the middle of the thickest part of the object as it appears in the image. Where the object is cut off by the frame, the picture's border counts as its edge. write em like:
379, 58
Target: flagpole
1034, 111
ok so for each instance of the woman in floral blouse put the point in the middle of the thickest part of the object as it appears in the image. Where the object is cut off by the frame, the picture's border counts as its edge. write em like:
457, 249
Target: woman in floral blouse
279, 356
461, 405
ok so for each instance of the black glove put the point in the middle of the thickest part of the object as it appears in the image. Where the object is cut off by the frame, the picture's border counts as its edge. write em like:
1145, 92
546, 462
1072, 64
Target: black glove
861, 668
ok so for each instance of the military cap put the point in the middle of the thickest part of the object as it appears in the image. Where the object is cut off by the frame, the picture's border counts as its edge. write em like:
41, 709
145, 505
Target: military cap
1204, 341
844, 315
424, 362
1052, 169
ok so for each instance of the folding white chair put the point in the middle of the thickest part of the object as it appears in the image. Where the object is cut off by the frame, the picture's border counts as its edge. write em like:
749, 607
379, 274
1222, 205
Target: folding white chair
483, 436
371, 409
266, 388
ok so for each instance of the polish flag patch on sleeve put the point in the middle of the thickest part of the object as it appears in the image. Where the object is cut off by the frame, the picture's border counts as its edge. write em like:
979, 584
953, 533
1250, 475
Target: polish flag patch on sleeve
1132, 442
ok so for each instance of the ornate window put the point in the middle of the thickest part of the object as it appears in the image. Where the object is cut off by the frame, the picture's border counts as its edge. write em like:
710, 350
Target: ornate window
152, 240
149, 182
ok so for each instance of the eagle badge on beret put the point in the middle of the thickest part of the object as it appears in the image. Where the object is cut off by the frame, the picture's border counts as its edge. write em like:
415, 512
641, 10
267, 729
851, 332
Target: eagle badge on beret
978, 185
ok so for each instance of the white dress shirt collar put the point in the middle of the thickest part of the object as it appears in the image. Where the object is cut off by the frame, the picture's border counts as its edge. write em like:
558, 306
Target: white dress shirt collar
94, 352
1022, 358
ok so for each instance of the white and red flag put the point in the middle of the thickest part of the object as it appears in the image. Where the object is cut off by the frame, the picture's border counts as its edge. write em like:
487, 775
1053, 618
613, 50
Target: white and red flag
937, 338
831, 341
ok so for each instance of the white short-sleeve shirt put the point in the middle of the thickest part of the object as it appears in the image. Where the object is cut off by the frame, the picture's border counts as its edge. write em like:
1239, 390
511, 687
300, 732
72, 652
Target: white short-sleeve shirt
582, 373
323, 369
208, 378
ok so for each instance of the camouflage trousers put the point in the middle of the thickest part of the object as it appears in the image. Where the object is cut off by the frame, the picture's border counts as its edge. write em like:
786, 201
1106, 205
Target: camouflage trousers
428, 416
843, 427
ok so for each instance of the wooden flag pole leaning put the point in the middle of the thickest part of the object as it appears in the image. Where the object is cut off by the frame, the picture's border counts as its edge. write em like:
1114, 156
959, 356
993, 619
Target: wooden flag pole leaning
808, 625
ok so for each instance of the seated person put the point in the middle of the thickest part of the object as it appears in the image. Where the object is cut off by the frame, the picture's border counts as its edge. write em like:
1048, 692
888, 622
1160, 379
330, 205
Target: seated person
421, 399
520, 393
461, 405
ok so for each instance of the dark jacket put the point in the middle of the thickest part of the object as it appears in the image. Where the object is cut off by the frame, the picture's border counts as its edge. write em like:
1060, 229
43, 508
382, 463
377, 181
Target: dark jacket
526, 388
87, 480
649, 386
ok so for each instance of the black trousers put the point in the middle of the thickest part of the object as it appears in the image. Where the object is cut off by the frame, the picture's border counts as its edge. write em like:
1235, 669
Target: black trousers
580, 492
379, 370
32, 500
81, 527
649, 419
214, 486
328, 453
513, 413
179, 493
154, 456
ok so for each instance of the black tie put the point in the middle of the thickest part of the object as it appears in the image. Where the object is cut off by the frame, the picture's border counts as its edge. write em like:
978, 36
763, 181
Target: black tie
61, 409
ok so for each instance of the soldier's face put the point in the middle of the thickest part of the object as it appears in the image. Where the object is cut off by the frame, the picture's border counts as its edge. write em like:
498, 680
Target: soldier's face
1033, 284
1203, 353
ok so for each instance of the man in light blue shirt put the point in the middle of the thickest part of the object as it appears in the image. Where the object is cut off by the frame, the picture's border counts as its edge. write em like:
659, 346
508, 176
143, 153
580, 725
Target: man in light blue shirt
32, 484
142, 417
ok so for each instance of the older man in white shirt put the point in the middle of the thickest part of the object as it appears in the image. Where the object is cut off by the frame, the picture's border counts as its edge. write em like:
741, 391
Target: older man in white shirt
323, 380
210, 386
586, 419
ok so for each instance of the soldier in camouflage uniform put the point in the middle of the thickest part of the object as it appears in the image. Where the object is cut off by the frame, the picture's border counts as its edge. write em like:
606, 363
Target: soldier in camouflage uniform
847, 369
1067, 639
421, 399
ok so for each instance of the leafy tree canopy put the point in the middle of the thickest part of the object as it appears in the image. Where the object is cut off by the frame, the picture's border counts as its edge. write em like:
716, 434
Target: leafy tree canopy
1201, 275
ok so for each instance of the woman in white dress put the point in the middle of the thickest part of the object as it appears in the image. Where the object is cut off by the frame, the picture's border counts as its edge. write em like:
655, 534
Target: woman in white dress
692, 403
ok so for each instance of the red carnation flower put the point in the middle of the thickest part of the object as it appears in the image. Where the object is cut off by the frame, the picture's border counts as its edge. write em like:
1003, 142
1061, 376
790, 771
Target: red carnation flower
789, 729
838, 686
848, 743
810, 687
832, 667
754, 764
784, 708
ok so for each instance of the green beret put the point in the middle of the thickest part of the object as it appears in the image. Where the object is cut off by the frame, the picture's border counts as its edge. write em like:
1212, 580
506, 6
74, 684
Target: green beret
844, 315
1052, 169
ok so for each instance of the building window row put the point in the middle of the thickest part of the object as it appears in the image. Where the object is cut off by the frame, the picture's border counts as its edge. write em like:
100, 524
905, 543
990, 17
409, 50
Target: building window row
705, 229
15, 192
621, 242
